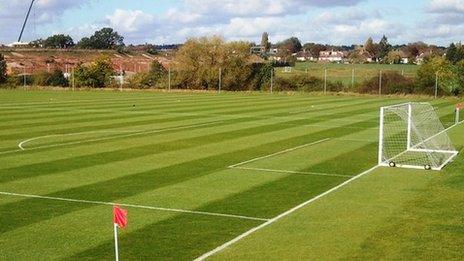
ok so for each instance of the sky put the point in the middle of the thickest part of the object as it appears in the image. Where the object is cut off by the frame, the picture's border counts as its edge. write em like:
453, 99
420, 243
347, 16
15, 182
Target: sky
163, 22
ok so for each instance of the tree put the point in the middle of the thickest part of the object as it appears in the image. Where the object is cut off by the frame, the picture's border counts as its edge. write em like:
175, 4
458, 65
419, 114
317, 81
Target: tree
384, 48
105, 38
293, 45
199, 61
58, 41
455, 53
3, 69
371, 47
85, 43
394, 57
315, 49
265, 42
451, 79
96, 75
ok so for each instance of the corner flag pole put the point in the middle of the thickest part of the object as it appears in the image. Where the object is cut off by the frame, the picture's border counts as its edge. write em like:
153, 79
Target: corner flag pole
119, 221
116, 249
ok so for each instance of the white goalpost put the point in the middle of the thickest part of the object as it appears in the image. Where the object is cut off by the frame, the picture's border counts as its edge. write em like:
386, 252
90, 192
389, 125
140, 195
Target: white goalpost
412, 136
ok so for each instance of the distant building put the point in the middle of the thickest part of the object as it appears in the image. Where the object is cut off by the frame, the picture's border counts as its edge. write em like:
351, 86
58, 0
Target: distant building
304, 56
259, 50
331, 56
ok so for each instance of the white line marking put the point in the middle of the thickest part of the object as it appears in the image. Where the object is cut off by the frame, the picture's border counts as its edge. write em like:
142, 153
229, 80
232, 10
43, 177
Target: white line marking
278, 153
112, 137
293, 172
134, 206
21, 144
277, 218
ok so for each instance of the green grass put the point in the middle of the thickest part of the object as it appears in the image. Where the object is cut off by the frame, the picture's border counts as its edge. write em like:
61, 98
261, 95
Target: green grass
172, 150
343, 72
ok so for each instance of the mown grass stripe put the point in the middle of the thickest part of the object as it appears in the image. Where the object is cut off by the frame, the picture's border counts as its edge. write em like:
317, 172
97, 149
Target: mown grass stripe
162, 177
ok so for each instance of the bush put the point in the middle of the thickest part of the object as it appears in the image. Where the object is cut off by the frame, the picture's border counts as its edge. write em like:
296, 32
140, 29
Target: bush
96, 75
19, 80
56, 78
3, 69
152, 79
306, 84
392, 83
199, 61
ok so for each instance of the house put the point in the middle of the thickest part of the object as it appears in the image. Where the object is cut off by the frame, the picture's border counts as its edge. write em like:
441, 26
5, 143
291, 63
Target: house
331, 56
259, 50
304, 56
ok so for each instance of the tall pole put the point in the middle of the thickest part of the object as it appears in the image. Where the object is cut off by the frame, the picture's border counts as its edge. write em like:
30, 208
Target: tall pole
436, 85
25, 21
380, 82
116, 249
325, 80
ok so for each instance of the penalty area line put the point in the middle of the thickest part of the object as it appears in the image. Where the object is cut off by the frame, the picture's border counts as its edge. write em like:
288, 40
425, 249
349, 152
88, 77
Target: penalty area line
293, 172
134, 206
278, 153
279, 217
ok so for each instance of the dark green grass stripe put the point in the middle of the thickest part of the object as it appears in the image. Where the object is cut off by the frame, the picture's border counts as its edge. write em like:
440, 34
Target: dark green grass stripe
241, 120
153, 109
271, 198
77, 120
184, 237
57, 166
134, 184
17, 136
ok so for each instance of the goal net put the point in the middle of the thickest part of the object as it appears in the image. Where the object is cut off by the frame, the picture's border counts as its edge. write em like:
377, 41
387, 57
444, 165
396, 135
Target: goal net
412, 136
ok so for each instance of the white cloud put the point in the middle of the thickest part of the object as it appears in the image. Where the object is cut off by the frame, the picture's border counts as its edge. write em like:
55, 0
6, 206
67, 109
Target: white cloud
446, 6
129, 21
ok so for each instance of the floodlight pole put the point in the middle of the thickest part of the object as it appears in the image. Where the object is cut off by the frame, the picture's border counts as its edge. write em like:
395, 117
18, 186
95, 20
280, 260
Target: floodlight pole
25, 21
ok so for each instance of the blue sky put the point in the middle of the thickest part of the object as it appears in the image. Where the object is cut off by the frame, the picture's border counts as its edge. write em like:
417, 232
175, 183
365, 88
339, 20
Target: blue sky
163, 21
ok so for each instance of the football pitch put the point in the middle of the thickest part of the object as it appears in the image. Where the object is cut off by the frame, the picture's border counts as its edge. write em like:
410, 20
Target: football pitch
230, 176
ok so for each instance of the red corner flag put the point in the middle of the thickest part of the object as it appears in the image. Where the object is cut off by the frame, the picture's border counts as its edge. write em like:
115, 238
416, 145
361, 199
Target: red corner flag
119, 216
459, 106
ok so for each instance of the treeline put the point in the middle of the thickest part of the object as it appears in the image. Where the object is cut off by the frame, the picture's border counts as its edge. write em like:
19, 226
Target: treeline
212, 63
104, 39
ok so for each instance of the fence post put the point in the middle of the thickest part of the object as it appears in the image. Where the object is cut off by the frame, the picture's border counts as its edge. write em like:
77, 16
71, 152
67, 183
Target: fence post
272, 79
325, 80
72, 79
352, 78
436, 85
220, 79
24, 76
380, 82
169, 79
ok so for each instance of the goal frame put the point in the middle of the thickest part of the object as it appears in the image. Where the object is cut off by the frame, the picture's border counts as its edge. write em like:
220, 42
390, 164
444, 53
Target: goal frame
409, 148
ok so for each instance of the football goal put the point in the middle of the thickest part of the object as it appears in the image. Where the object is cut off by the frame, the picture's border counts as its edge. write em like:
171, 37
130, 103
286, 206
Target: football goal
412, 136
